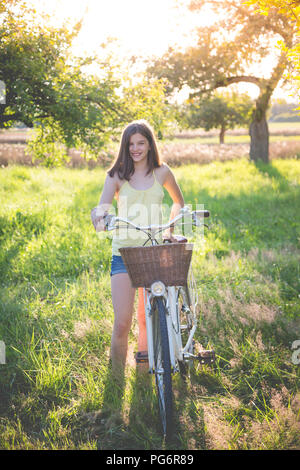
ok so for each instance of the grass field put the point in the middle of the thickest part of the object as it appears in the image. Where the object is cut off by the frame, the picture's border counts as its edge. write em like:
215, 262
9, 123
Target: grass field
56, 315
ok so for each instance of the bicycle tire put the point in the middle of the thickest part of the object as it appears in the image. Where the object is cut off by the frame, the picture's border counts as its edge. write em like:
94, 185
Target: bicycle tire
162, 367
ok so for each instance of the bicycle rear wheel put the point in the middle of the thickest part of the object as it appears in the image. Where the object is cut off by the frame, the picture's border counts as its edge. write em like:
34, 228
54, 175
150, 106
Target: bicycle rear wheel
162, 366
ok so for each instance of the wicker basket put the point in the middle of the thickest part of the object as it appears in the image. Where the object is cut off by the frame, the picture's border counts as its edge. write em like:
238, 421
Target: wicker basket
168, 263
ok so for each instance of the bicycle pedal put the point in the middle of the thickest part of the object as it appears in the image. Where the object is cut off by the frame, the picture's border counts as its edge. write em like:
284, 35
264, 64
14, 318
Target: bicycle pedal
207, 356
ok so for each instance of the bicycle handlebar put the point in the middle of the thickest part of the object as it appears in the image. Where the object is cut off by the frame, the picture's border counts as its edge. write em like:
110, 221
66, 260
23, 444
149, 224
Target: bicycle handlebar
111, 220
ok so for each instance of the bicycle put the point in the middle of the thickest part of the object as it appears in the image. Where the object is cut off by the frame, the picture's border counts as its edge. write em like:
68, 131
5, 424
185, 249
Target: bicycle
170, 299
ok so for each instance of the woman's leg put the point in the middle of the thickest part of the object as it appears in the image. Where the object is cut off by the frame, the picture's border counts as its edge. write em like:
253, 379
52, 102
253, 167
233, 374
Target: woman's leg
142, 338
123, 302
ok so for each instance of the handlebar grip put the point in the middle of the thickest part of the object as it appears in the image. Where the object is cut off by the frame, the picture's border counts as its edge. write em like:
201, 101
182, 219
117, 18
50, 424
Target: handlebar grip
204, 213
109, 219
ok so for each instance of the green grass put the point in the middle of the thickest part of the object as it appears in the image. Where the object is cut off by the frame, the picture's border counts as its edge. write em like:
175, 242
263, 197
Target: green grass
56, 315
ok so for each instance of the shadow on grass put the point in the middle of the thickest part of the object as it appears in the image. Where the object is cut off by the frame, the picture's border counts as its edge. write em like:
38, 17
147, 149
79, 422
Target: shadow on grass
144, 420
270, 170
189, 426
145, 423
109, 422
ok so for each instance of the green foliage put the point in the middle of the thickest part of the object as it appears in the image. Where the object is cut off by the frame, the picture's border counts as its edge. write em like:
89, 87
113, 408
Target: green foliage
146, 100
68, 105
223, 54
47, 145
290, 9
221, 111
46, 87
225, 50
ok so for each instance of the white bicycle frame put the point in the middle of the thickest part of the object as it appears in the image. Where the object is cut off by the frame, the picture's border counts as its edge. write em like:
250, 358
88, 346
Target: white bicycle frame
178, 351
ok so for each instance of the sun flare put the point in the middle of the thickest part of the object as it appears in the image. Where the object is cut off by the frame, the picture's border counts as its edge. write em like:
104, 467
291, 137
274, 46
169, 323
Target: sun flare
141, 27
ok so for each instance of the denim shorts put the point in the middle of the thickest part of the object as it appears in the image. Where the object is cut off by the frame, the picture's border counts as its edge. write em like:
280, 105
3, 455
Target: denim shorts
117, 265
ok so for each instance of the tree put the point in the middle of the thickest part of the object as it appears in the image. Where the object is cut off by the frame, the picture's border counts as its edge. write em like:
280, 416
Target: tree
50, 90
220, 111
46, 87
224, 55
146, 100
291, 10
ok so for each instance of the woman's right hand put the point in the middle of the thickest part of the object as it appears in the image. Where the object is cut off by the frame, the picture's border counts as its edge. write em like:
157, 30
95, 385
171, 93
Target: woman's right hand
98, 220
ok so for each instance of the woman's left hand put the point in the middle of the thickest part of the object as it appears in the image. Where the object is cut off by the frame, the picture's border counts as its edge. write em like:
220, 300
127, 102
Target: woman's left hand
174, 238
168, 236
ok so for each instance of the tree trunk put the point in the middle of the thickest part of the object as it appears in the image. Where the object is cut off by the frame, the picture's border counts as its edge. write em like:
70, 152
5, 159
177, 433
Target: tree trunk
222, 135
259, 143
259, 131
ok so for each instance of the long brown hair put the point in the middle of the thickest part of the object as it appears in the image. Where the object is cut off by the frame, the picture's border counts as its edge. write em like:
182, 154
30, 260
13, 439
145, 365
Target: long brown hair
124, 165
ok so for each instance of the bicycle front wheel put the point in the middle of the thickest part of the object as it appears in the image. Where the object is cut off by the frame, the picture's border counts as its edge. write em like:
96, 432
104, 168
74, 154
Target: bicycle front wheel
162, 366
186, 324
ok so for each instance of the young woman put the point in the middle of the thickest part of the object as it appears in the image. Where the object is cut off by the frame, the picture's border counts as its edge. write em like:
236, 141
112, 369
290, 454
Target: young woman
136, 180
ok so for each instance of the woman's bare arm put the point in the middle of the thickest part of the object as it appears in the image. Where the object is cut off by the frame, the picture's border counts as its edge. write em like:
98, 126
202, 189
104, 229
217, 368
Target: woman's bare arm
109, 190
174, 190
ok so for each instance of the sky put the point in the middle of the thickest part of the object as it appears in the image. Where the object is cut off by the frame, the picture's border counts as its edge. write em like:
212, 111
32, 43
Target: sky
141, 27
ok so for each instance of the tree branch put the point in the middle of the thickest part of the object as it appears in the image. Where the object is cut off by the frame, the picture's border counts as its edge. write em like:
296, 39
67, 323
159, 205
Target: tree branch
242, 78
